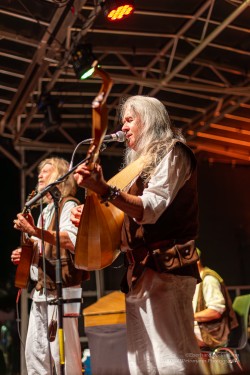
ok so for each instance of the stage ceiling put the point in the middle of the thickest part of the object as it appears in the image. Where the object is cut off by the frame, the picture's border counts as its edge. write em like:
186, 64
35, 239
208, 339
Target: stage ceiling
194, 55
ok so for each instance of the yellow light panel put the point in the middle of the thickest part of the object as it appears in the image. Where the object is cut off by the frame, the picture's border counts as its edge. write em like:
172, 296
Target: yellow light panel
120, 12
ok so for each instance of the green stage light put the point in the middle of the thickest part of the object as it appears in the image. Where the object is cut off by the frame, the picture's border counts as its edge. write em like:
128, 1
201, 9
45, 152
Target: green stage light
84, 61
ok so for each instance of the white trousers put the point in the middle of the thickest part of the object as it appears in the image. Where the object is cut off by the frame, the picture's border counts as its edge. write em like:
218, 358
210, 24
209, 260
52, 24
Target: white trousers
160, 325
38, 348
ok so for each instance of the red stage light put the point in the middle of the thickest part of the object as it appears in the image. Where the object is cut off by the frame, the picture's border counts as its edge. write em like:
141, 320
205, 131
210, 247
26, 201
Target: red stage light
116, 10
120, 12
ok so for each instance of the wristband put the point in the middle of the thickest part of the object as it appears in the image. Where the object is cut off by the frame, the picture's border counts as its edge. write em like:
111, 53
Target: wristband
113, 193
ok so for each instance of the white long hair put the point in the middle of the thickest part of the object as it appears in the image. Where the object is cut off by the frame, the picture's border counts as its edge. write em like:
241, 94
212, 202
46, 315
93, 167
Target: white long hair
157, 132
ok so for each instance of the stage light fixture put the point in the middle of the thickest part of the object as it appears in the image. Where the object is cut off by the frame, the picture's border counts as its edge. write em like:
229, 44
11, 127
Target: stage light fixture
116, 10
48, 105
84, 61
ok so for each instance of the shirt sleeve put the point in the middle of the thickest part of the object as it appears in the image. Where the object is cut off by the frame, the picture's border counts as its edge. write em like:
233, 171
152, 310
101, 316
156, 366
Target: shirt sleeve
212, 294
65, 222
169, 177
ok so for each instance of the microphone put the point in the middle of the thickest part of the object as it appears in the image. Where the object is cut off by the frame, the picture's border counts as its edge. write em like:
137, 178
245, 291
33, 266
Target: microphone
115, 137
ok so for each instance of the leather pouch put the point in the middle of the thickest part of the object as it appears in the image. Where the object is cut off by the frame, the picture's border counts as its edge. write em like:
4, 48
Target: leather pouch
179, 255
52, 329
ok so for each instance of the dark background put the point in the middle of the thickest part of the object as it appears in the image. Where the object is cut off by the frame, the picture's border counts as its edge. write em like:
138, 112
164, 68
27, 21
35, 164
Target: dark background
225, 220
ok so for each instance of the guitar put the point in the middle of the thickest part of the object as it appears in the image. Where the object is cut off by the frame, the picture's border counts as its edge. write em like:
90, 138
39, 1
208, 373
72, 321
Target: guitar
23, 267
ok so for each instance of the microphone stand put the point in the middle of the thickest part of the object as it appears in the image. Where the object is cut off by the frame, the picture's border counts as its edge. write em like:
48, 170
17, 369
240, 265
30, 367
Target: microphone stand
50, 187
56, 195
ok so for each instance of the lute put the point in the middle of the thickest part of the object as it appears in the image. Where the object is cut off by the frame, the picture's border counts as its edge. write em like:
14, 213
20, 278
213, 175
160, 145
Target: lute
23, 268
98, 238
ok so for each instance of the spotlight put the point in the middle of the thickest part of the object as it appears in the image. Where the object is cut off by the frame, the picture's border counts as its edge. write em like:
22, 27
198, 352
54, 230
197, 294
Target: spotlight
84, 62
115, 10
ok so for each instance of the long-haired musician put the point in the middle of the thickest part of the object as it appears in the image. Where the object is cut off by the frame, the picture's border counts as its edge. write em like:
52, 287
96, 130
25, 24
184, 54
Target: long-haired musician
41, 351
159, 229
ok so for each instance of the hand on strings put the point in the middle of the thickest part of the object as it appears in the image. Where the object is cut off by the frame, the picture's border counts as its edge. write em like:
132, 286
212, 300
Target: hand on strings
16, 256
75, 215
25, 223
91, 177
